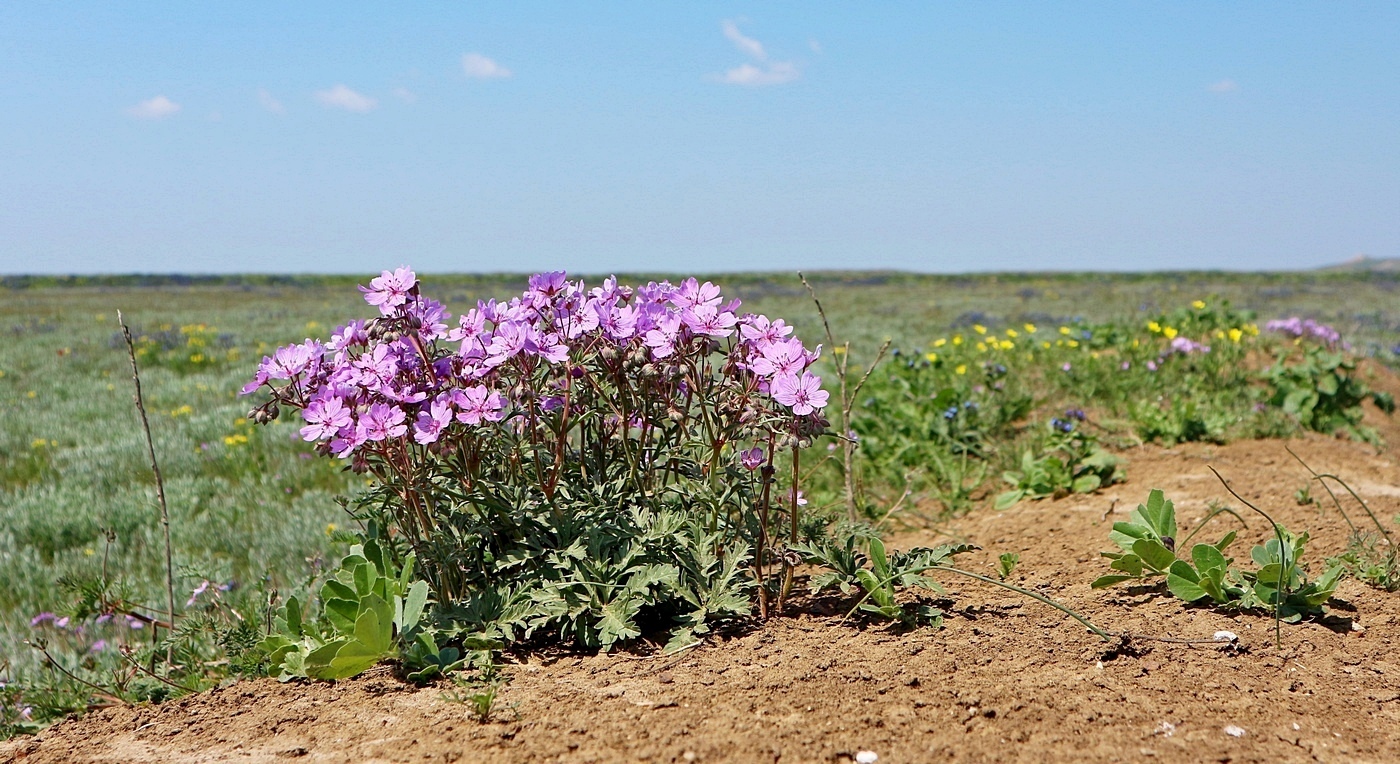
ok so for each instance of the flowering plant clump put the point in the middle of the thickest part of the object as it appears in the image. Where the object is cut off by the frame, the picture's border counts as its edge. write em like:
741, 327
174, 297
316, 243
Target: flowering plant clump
1299, 328
570, 458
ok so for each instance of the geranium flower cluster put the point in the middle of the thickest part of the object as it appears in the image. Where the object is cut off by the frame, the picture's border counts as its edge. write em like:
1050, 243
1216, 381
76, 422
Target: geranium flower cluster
1305, 327
414, 374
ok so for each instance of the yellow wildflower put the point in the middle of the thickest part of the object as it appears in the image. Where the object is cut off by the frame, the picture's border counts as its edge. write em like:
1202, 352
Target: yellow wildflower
1072, 343
1235, 335
1007, 344
940, 342
1169, 332
980, 329
1030, 328
962, 368
982, 346
1154, 327
930, 357
1012, 333
1064, 330
957, 339
1198, 305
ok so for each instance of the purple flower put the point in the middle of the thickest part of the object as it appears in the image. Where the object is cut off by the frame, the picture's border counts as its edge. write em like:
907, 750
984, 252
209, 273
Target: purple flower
662, 339
390, 290
1066, 367
783, 358
98, 646
478, 404
803, 395
752, 459
431, 423
798, 496
549, 284
382, 422
1187, 347
760, 331
707, 319
42, 618
259, 377
325, 417
198, 590
692, 294
352, 334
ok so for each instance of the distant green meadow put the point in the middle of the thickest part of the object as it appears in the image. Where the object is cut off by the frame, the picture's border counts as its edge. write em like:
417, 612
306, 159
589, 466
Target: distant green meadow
252, 507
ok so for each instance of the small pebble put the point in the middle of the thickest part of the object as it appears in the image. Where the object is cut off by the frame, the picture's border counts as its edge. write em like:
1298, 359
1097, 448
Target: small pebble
1234, 731
867, 757
1226, 636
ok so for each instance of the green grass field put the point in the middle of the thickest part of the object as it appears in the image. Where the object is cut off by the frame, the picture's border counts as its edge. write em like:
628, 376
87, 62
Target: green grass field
249, 505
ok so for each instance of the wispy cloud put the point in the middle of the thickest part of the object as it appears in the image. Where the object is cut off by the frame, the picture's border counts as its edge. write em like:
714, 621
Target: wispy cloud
775, 73
159, 107
269, 103
1223, 86
405, 95
761, 71
748, 45
479, 67
342, 97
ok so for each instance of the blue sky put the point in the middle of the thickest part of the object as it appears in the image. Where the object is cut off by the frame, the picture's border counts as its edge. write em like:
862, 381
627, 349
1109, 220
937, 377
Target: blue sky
350, 137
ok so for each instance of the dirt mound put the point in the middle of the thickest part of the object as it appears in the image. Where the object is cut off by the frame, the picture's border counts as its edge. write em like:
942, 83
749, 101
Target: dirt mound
1007, 680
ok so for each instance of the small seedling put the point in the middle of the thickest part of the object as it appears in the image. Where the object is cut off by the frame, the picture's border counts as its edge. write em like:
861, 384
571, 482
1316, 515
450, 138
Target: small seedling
1149, 555
1007, 563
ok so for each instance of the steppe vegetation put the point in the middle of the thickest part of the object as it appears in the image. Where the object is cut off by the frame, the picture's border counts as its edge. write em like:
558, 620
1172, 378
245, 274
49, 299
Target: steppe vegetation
432, 490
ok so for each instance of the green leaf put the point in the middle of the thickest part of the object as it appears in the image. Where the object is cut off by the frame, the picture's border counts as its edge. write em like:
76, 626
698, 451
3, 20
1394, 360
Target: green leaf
318, 661
1009, 499
412, 606
375, 626
1158, 514
334, 589
1128, 563
294, 625
1208, 558
353, 658
879, 561
1153, 554
1183, 582
364, 576
1086, 484
1103, 582
342, 614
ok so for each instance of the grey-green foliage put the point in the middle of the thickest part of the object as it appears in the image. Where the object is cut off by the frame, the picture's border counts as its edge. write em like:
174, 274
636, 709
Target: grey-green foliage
587, 572
886, 575
1148, 541
1070, 462
367, 607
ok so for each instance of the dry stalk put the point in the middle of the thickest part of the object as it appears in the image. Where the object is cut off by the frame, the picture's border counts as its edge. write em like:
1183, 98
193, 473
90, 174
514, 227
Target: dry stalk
155, 468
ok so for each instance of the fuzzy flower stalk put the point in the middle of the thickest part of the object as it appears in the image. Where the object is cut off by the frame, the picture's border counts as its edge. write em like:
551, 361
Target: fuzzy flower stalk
567, 403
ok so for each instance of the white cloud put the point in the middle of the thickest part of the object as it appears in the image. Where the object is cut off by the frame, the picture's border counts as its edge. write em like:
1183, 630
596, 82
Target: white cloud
405, 95
342, 97
479, 67
749, 46
159, 107
270, 103
1223, 86
815, 46
762, 71
776, 73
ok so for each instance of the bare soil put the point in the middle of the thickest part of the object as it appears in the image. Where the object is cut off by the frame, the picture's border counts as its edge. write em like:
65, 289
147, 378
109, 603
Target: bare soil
1007, 679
